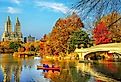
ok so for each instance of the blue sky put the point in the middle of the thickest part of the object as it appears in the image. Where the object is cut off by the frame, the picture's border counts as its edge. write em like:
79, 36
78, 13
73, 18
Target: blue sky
37, 17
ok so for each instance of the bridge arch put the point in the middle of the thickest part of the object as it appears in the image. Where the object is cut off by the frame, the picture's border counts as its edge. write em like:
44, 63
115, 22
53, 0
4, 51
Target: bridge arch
96, 55
102, 55
111, 48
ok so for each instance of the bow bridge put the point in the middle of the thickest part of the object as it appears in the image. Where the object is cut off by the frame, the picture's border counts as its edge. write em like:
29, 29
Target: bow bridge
107, 48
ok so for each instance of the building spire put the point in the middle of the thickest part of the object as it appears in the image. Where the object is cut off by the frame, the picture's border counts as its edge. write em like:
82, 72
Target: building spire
8, 25
17, 22
8, 20
17, 28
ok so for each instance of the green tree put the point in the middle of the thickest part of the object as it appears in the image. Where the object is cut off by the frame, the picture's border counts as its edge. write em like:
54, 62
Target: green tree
14, 46
79, 39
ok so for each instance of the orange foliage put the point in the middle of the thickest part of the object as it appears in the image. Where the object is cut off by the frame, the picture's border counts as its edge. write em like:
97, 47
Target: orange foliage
21, 49
56, 42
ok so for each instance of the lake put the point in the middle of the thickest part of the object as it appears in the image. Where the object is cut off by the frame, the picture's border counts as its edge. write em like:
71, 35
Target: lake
25, 70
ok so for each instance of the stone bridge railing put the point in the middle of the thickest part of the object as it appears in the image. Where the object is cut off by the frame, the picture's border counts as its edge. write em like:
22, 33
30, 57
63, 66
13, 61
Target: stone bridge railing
111, 47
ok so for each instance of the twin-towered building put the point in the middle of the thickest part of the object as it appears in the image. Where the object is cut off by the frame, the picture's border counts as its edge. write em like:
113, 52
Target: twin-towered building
8, 34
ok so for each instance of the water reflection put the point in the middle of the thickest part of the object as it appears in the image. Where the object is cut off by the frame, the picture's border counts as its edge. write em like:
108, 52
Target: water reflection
10, 69
72, 71
20, 70
25, 70
110, 69
68, 73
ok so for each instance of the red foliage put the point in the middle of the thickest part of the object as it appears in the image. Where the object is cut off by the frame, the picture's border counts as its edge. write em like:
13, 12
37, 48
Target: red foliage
101, 34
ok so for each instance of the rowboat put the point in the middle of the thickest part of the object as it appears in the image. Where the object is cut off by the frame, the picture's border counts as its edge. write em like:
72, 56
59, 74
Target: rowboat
50, 68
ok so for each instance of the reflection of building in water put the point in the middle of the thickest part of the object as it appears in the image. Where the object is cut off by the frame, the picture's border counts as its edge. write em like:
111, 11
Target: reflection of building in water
11, 72
7, 72
17, 73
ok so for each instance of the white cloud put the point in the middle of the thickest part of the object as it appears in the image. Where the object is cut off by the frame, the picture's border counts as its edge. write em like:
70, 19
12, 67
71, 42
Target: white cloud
16, 1
58, 7
12, 10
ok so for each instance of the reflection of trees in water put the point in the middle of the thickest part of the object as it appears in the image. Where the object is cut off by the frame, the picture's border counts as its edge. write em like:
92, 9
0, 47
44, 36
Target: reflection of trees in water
69, 73
112, 70
77, 75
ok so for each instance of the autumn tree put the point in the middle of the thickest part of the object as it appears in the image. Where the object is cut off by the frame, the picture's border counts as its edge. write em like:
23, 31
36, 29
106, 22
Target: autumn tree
101, 34
45, 47
21, 49
32, 46
113, 26
56, 41
5, 44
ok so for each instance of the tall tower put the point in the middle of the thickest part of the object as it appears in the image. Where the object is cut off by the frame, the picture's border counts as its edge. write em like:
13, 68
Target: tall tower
8, 25
17, 30
17, 26
7, 30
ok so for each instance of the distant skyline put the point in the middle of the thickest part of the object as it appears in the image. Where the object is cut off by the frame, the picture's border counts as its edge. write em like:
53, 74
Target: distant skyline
37, 17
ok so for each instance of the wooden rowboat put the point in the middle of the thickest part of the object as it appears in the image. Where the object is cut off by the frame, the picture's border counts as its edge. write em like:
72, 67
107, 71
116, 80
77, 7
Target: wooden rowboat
50, 68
